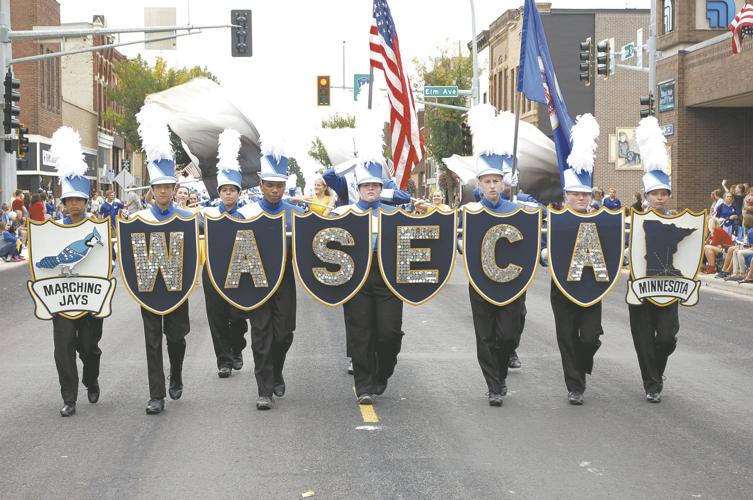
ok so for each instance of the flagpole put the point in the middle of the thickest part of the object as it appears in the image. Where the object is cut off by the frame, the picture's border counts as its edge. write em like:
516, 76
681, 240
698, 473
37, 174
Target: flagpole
513, 189
371, 82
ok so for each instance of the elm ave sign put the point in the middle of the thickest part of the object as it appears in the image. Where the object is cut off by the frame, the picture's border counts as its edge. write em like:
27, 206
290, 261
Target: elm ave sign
441, 91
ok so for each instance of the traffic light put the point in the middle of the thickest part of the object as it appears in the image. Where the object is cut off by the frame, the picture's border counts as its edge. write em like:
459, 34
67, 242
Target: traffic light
240, 33
604, 58
23, 142
467, 140
10, 110
586, 61
322, 86
647, 100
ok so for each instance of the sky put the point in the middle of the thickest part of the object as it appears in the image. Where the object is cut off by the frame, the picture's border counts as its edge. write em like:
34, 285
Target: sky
296, 40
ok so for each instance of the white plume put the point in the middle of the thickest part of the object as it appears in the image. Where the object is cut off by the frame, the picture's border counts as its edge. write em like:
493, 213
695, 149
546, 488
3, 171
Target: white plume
228, 146
273, 142
492, 133
370, 123
155, 136
67, 154
652, 145
585, 138
292, 181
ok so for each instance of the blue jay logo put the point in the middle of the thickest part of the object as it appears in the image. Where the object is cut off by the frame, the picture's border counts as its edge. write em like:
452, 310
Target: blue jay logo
71, 255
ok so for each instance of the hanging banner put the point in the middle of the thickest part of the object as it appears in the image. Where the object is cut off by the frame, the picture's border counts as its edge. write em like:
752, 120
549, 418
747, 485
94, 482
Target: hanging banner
71, 268
159, 261
666, 253
501, 252
332, 255
416, 252
585, 252
246, 258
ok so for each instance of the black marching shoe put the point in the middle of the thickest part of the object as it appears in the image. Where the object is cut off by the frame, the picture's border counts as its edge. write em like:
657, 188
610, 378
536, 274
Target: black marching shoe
495, 399
68, 409
237, 361
503, 389
653, 397
264, 403
155, 406
514, 361
365, 399
575, 398
92, 393
380, 387
224, 372
176, 388
279, 390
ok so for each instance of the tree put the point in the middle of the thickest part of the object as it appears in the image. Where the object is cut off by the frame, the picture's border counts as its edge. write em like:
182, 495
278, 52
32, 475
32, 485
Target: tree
136, 80
294, 168
317, 150
444, 125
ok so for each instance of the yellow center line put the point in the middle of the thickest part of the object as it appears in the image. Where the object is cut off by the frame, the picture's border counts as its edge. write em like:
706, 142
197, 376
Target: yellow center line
368, 414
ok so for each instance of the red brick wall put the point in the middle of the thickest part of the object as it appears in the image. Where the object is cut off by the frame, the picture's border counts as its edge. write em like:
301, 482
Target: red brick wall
24, 15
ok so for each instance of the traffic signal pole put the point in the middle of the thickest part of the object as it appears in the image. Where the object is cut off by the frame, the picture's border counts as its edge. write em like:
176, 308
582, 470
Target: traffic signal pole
7, 160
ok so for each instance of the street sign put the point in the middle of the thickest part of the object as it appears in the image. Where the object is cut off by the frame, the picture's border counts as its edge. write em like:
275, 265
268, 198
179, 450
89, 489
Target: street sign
359, 80
628, 51
668, 129
441, 91
124, 178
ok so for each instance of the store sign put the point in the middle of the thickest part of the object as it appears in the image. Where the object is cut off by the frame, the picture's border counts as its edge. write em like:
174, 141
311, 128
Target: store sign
667, 96
668, 129
47, 158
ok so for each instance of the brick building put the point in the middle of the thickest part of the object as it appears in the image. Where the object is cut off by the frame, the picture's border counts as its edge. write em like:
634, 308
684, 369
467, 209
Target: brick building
614, 102
705, 93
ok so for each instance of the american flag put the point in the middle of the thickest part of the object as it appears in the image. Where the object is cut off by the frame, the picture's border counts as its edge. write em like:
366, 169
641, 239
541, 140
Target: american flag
407, 142
192, 170
741, 27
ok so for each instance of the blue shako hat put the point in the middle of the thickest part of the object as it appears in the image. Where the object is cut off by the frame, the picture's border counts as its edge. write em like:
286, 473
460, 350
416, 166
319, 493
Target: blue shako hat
69, 163
369, 171
274, 159
584, 136
653, 148
492, 140
155, 141
228, 168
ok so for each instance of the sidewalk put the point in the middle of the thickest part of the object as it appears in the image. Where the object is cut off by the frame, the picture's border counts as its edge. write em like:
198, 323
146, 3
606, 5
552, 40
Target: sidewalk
708, 280
9, 265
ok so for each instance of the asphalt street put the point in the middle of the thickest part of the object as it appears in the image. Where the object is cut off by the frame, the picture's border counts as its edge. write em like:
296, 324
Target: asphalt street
432, 434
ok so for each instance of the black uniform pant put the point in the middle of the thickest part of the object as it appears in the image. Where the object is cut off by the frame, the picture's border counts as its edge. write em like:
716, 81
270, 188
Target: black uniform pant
498, 330
227, 329
272, 327
578, 331
175, 326
80, 335
654, 331
373, 326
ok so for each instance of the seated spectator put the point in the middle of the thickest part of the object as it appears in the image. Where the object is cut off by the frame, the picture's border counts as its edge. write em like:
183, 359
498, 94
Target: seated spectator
10, 250
37, 208
718, 241
748, 200
735, 261
716, 200
49, 204
727, 214
598, 194
18, 201
60, 212
4, 216
612, 202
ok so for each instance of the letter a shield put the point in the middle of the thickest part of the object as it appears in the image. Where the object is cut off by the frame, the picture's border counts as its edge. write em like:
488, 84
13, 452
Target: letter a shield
585, 252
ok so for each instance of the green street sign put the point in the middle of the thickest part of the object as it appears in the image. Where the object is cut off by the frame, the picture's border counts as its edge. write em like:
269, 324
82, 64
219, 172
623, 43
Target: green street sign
441, 91
359, 80
628, 51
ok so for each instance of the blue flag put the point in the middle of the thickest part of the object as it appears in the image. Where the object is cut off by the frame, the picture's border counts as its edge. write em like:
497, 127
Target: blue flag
538, 82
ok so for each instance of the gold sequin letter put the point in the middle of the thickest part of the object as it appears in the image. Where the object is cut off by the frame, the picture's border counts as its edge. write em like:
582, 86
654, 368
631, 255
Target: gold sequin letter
156, 258
332, 256
488, 253
406, 254
588, 252
245, 259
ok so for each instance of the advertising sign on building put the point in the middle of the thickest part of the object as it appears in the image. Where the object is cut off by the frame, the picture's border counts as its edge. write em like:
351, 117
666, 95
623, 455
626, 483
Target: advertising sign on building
666, 96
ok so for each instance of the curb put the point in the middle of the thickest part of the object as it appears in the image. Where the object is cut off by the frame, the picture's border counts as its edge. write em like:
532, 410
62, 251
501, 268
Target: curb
708, 280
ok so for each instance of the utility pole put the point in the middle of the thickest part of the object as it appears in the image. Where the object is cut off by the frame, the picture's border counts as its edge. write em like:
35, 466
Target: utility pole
652, 49
475, 85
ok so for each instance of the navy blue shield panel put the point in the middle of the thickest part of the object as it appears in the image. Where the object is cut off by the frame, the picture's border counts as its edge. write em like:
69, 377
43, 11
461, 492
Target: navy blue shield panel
159, 261
501, 252
585, 252
332, 255
245, 258
416, 253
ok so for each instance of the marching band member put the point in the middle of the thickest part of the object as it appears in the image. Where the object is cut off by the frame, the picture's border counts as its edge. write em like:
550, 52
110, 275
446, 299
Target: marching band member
497, 328
155, 137
273, 323
82, 334
654, 328
226, 329
578, 328
374, 316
